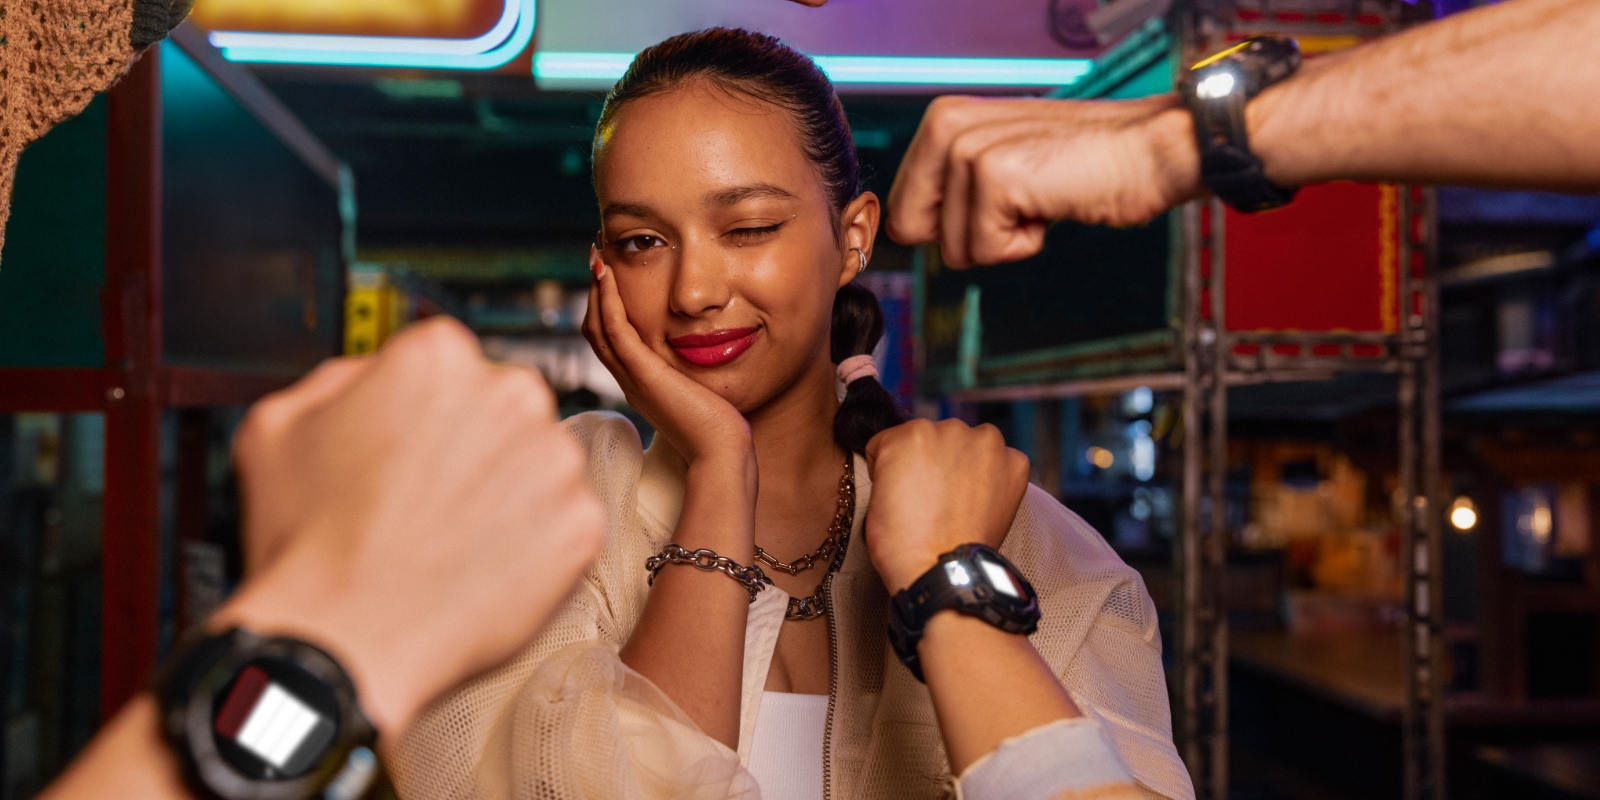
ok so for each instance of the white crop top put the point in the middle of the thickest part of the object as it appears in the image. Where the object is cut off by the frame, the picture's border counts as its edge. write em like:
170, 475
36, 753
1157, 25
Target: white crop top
786, 755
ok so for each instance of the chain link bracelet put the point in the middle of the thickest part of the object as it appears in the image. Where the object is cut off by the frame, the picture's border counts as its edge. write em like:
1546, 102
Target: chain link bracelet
751, 578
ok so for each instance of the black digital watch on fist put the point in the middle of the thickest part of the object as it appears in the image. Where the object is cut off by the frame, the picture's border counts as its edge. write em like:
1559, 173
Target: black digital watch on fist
1216, 90
253, 718
973, 579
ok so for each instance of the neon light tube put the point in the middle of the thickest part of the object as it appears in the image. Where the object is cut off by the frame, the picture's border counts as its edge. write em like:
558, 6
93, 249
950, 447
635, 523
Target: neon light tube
386, 51
374, 44
857, 69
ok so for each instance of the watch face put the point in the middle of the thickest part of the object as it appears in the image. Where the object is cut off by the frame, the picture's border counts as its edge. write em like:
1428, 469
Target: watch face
1008, 586
274, 720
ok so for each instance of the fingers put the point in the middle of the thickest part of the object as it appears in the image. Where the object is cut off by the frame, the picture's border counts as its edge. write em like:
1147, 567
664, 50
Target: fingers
918, 190
623, 341
279, 408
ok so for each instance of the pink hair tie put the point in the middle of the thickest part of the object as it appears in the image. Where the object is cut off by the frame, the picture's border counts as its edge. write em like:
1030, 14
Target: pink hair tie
857, 367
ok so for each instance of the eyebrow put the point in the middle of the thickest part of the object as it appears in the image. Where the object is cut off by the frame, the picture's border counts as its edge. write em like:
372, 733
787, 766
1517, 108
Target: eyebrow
739, 194
627, 210
722, 197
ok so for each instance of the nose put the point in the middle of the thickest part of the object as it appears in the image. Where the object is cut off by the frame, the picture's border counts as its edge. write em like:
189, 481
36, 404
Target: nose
700, 281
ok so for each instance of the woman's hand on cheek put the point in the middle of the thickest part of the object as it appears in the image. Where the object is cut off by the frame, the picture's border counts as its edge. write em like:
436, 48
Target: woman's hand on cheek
700, 424
936, 486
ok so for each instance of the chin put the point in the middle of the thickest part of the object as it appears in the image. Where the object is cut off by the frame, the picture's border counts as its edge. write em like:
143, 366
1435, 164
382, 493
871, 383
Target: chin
733, 388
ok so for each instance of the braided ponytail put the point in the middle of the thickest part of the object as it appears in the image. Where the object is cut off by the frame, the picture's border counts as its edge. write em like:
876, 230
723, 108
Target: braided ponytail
868, 407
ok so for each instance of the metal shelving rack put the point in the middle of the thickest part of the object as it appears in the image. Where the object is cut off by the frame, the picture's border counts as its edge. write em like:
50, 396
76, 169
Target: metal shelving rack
1216, 358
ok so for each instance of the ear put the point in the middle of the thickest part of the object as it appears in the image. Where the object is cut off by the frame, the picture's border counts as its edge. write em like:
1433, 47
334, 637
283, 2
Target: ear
858, 228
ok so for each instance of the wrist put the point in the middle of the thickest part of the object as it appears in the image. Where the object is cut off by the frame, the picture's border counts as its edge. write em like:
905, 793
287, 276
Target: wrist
730, 475
1177, 156
902, 570
285, 601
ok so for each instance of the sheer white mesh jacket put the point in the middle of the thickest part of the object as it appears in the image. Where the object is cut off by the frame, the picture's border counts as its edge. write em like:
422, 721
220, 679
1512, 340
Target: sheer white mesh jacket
565, 719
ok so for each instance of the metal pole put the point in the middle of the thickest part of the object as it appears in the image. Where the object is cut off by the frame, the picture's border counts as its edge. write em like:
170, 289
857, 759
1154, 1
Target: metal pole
1215, 610
1203, 551
1188, 553
1423, 717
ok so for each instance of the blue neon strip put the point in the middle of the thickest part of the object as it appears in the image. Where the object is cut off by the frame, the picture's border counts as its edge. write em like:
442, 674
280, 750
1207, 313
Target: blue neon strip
374, 44
857, 69
423, 53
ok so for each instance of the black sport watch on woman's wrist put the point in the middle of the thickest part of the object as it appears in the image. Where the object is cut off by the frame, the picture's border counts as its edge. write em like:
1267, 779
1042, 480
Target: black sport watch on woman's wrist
253, 718
973, 579
1216, 90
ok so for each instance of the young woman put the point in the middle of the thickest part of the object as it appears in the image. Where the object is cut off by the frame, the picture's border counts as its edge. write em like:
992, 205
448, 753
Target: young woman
732, 222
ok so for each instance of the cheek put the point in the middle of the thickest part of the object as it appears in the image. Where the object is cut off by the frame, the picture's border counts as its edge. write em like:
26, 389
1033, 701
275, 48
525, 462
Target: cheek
796, 297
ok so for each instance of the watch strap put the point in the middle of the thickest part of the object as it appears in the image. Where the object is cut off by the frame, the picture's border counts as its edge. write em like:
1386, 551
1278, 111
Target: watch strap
912, 607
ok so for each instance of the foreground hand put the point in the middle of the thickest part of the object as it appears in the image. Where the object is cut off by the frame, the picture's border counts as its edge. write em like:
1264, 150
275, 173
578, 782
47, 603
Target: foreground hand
418, 513
698, 422
936, 486
984, 178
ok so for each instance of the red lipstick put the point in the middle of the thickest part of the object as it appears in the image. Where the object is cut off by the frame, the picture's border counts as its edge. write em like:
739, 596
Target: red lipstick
714, 348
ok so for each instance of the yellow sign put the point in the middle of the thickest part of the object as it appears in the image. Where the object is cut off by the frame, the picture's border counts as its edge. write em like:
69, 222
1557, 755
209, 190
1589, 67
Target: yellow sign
373, 310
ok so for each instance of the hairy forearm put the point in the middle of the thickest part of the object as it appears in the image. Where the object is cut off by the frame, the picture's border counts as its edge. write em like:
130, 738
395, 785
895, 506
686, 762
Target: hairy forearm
690, 639
1502, 96
987, 686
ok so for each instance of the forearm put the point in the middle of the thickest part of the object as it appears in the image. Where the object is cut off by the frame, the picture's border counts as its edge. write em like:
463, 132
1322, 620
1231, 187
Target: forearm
1502, 96
987, 686
690, 639
126, 760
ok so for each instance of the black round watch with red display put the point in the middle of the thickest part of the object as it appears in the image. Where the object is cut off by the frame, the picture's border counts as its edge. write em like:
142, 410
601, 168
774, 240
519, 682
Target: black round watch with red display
253, 718
973, 579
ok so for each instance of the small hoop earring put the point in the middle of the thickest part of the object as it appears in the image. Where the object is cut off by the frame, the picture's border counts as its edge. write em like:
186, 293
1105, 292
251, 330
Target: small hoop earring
861, 260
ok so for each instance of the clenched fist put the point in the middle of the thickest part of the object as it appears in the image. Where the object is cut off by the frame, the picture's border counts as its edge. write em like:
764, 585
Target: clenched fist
936, 486
418, 513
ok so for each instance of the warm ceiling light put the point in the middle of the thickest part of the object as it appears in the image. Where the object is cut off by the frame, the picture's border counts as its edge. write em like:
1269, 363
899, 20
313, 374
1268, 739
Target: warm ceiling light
1100, 457
1463, 514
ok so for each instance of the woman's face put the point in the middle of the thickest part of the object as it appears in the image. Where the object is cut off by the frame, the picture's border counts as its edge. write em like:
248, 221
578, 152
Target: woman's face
722, 239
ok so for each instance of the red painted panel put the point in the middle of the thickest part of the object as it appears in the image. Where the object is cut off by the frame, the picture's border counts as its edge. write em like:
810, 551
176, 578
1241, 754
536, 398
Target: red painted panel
131, 318
46, 389
1327, 262
193, 387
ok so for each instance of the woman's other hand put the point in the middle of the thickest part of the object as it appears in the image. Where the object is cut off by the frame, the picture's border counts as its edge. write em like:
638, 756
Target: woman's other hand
936, 486
701, 425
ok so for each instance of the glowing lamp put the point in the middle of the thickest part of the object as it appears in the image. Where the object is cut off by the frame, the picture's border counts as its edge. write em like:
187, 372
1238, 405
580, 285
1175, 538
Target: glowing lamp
1463, 514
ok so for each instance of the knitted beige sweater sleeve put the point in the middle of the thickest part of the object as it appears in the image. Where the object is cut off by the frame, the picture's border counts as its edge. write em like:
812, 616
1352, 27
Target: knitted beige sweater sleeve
55, 55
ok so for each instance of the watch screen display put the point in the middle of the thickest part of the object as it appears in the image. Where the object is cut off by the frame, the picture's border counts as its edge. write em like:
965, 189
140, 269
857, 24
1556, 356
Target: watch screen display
283, 734
1000, 578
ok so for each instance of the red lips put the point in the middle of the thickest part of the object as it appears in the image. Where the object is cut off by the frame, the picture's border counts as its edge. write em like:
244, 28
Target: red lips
714, 348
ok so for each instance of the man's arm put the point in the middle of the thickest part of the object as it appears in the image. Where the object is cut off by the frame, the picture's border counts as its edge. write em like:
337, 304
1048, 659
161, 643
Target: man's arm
1500, 97
395, 507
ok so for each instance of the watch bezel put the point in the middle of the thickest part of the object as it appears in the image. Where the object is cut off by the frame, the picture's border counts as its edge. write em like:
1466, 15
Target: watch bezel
190, 693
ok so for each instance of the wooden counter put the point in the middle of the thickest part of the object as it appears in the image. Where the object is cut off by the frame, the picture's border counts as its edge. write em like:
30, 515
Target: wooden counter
1365, 672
